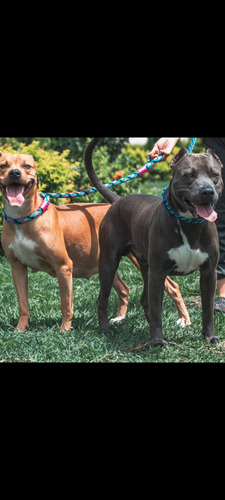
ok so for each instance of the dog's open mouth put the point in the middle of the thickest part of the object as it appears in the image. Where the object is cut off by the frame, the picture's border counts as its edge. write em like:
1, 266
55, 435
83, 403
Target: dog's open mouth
15, 193
205, 211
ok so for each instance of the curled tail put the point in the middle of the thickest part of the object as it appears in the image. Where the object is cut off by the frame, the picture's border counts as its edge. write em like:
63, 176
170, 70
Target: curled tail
108, 195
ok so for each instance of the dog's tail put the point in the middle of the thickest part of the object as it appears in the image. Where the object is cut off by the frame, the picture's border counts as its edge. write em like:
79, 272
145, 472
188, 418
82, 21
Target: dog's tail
108, 195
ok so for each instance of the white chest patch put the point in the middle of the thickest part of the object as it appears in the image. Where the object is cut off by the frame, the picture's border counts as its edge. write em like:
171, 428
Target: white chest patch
187, 260
24, 250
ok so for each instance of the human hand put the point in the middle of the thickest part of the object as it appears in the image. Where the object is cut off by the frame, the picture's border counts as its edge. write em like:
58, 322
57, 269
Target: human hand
165, 146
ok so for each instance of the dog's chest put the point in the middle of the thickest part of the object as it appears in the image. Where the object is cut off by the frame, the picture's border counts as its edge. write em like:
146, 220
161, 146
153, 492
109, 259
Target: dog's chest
24, 250
186, 259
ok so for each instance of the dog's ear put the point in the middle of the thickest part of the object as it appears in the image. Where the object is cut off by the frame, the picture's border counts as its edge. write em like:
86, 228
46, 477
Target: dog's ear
1, 154
178, 156
211, 152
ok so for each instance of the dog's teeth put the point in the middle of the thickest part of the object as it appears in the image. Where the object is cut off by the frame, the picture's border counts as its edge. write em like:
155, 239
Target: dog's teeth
7, 190
23, 189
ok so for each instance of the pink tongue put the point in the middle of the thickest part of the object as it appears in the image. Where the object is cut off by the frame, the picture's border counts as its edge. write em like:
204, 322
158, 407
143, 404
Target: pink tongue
15, 196
206, 212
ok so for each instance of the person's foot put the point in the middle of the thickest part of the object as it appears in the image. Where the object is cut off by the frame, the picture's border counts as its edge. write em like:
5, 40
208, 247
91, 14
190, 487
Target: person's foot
219, 304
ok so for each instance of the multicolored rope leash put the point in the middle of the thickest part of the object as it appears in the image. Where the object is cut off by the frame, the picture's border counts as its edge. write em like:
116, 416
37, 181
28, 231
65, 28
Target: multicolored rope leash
46, 196
192, 145
130, 177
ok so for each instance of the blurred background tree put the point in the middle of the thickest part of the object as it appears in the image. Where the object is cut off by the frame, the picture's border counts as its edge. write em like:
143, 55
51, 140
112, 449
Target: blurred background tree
76, 145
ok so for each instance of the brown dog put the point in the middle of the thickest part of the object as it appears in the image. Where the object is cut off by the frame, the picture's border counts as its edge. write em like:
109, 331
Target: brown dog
63, 241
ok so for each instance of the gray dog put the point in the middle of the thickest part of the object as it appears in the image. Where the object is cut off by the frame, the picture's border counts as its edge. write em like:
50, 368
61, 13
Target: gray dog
174, 236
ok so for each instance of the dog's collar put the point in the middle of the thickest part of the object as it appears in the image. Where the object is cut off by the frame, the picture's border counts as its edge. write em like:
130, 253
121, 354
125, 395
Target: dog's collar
44, 205
183, 219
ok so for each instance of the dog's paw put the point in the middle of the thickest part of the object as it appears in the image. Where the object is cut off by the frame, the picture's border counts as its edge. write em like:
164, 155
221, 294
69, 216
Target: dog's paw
117, 319
183, 322
18, 330
65, 329
21, 328
213, 340
159, 343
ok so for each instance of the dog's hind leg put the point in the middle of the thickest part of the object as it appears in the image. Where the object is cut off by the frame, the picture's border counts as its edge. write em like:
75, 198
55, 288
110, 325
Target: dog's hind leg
122, 291
173, 290
107, 270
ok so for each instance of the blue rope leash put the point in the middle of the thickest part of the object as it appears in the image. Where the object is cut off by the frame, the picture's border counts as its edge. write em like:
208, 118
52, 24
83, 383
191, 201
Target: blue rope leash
192, 145
130, 177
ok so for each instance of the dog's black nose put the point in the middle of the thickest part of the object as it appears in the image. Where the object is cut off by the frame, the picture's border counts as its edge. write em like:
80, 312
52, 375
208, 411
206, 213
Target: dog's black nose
207, 192
14, 174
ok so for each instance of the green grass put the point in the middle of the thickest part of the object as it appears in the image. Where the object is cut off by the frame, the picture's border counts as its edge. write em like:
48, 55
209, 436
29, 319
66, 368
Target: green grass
43, 342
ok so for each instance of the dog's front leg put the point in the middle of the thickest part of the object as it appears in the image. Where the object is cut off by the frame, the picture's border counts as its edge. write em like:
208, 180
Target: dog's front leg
208, 286
20, 278
155, 300
65, 279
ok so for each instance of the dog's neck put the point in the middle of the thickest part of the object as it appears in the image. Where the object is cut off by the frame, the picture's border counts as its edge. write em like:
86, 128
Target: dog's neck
180, 213
29, 206
176, 205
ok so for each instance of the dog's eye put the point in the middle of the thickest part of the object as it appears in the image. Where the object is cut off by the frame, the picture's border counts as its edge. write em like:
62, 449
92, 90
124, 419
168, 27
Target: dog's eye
26, 166
215, 177
4, 165
189, 175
